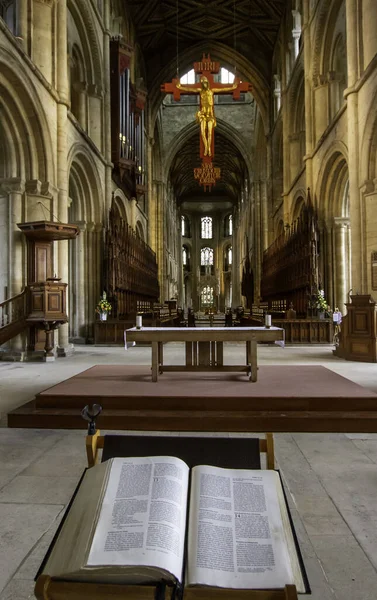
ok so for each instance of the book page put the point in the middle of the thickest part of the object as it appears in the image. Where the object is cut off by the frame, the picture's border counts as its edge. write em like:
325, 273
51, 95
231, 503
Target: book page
143, 515
236, 536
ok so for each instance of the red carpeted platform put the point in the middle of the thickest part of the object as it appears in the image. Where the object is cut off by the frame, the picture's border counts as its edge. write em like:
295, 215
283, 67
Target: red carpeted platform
294, 398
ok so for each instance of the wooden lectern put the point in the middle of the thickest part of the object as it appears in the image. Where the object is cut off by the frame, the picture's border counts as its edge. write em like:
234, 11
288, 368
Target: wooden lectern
358, 337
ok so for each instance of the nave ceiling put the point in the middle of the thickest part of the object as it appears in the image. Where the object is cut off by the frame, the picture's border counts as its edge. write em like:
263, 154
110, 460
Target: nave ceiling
227, 157
248, 27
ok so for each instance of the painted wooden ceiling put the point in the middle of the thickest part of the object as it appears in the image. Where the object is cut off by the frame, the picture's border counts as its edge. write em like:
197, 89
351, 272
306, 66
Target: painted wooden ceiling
248, 26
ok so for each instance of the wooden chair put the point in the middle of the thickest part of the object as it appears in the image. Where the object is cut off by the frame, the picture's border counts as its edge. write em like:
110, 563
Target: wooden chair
95, 443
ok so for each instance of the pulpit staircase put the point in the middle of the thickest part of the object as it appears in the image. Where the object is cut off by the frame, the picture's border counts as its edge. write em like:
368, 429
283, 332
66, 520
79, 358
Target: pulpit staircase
13, 314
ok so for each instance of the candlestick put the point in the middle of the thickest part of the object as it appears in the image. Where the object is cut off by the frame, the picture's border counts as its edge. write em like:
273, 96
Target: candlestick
267, 321
139, 321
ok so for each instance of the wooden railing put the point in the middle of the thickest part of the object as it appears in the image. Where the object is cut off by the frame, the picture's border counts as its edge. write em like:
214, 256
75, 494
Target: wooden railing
13, 313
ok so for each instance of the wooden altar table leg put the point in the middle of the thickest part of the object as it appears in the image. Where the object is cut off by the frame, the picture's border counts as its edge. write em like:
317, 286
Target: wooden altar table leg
188, 354
219, 354
254, 365
154, 361
160, 357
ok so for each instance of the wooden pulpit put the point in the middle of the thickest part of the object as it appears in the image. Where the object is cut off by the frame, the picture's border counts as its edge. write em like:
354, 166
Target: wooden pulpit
46, 295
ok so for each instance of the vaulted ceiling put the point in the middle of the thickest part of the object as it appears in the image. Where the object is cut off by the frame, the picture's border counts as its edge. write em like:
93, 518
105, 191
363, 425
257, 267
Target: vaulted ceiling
249, 27
168, 31
227, 157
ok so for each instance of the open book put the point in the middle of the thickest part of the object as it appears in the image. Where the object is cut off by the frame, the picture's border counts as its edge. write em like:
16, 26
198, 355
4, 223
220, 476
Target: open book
130, 523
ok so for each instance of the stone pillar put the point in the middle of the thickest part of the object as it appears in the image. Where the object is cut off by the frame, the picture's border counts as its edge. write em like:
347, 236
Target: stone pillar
264, 217
359, 283
42, 54
22, 25
320, 105
308, 92
340, 262
257, 239
14, 252
62, 176
107, 101
369, 14
329, 283
236, 269
78, 281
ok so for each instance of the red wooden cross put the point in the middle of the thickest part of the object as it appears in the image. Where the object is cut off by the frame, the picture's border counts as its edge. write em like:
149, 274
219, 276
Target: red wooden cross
206, 88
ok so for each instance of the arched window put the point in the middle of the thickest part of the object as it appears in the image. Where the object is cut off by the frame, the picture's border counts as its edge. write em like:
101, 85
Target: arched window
228, 225
189, 77
206, 228
8, 12
185, 226
206, 256
228, 258
226, 76
184, 256
206, 296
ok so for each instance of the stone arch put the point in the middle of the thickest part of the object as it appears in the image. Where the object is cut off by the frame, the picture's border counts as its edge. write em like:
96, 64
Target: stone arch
121, 203
83, 175
333, 210
227, 130
324, 25
140, 230
85, 254
28, 147
83, 20
332, 180
297, 204
368, 157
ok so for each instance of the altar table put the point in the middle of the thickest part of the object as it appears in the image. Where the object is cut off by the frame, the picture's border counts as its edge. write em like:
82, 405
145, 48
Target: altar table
204, 346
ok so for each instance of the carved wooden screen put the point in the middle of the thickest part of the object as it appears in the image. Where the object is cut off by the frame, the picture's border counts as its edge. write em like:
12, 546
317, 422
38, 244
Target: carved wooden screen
130, 267
290, 265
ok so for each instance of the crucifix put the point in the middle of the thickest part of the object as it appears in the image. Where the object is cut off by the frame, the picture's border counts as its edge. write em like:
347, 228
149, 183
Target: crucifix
206, 88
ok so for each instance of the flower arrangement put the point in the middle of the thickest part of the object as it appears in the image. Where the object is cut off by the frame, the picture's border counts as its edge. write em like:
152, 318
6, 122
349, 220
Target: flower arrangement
321, 303
103, 305
318, 302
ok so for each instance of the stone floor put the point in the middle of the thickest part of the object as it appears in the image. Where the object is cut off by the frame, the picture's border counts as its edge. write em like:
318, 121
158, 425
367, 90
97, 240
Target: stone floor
331, 479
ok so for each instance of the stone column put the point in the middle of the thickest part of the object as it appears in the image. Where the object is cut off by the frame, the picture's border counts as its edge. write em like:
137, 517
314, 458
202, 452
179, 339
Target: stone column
308, 92
42, 54
359, 283
369, 15
22, 25
62, 176
14, 253
340, 262
79, 279
236, 269
264, 216
257, 240
329, 283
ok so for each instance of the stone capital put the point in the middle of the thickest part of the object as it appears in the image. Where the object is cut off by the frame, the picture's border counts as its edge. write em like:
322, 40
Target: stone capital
33, 186
340, 222
12, 185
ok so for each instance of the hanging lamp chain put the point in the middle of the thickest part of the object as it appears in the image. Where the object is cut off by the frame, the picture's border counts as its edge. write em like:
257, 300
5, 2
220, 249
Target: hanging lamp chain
177, 27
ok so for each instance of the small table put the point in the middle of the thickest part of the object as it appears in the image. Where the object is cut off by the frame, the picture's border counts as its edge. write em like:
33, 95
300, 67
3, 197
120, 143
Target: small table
204, 346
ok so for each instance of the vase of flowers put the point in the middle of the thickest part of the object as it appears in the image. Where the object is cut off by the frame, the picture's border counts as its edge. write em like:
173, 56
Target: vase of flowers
103, 308
321, 304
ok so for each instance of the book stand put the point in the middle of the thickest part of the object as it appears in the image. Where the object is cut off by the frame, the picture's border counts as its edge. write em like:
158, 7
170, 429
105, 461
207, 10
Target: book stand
94, 443
48, 588
232, 451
